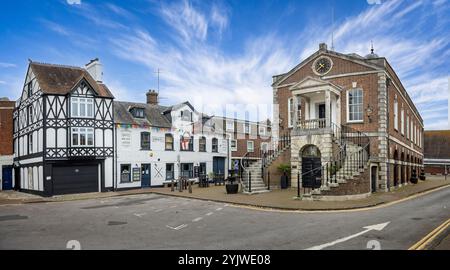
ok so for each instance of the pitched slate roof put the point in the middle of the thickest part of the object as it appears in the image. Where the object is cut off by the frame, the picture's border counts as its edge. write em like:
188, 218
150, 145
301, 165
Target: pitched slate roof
437, 144
59, 79
153, 114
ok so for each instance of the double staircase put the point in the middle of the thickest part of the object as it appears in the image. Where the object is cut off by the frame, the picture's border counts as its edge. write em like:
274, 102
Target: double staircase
345, 173
252, 178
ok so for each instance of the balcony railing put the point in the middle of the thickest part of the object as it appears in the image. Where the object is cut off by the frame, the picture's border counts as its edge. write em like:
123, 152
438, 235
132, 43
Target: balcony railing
312, 124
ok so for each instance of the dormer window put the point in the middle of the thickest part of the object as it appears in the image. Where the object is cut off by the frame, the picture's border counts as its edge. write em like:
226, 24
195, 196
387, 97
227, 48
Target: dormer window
137, 112
186, 115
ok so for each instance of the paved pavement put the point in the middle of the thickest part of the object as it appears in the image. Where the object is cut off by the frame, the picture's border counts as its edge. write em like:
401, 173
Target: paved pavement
152, 221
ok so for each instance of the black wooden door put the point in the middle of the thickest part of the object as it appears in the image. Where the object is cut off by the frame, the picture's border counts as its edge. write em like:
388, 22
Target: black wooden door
321, 111
374, 178
145, 175
311, 166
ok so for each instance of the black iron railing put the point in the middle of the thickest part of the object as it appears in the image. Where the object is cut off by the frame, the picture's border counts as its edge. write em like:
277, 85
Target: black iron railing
343, 164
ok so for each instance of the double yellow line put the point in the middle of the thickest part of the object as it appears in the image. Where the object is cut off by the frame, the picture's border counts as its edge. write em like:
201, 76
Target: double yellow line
424, 242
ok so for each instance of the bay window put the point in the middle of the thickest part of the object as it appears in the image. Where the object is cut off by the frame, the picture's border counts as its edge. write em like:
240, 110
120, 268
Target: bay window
82, 137
82, 107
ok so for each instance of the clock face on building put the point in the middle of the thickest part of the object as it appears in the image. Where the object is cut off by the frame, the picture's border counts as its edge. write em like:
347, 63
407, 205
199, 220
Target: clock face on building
322, 65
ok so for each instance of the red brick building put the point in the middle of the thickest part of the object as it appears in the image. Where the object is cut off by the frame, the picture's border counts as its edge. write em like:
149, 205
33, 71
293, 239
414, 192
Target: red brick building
353, 127
6, 142
437, 152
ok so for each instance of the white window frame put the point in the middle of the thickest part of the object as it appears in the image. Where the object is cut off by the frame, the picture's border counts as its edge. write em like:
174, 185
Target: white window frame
235, 145
290, 113
407, 126
412, 129
266, 144
249, 128
77, 102
252, 148
402, 121
80, 131
348, 106
262, 130
230, 126
395, 113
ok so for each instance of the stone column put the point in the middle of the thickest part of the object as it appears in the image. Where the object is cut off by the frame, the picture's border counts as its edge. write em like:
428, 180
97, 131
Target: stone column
327, 108
383, 151
295, 104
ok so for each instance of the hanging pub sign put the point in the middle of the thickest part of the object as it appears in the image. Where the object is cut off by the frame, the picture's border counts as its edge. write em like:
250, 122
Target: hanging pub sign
185, 139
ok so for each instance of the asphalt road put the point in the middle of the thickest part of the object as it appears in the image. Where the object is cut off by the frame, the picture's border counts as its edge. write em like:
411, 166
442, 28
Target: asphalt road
160, 222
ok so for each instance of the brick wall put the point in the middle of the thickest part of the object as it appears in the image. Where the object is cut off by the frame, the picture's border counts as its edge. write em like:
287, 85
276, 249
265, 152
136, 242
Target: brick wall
6, 127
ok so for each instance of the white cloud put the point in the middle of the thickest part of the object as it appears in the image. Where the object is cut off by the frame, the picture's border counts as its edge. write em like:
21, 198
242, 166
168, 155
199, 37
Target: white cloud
7, 65
195, 69
185, 19
74, 2
2, 82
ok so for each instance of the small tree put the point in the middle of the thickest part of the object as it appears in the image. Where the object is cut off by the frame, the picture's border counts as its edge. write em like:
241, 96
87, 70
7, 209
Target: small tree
284, 168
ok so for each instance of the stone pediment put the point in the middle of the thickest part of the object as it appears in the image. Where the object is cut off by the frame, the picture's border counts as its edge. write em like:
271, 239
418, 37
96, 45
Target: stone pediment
315, 84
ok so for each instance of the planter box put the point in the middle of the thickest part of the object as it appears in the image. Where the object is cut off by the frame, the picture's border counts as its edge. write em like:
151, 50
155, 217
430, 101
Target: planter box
232, 188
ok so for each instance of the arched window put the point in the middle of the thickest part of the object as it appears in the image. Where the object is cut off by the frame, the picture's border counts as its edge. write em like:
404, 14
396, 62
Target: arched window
169, 141
215, 145
202, 144
311, 151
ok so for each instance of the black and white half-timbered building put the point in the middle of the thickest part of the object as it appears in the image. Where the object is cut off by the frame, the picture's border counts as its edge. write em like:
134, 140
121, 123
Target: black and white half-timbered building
64, 130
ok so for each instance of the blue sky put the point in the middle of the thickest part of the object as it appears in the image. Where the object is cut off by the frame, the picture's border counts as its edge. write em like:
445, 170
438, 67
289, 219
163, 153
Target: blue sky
224, 53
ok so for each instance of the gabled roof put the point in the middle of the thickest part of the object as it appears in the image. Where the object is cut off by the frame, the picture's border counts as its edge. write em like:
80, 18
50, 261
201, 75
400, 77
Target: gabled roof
437, 144
153, 115
60, 80
179, 105
370, 63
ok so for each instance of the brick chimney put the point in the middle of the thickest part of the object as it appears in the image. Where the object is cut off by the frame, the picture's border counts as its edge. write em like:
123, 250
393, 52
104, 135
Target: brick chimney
95, 69
152, 97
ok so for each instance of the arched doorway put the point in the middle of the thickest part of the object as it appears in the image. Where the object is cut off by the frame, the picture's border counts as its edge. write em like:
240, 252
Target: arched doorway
311, 167
395, 168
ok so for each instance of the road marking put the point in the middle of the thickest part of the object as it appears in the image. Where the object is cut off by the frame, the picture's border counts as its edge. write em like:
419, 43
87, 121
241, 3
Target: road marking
377, 227
218, 209
197, 219
173, 206
178, 227
383, 205
140, 214
210, 213
422, 243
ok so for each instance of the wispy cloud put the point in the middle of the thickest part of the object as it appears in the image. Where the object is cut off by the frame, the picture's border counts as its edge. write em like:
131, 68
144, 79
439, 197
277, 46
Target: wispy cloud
186, 20
7, 65
2, 82
74, 2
